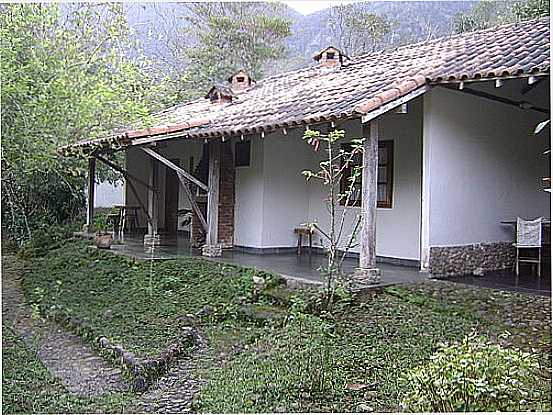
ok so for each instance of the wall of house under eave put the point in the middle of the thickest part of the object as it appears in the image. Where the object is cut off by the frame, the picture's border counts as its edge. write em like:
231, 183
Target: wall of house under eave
286, 192
248, 202
398, 228
482, 165
138, 163
277, 189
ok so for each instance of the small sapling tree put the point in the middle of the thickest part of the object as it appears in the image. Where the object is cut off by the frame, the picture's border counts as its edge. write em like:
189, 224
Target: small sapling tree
339, 166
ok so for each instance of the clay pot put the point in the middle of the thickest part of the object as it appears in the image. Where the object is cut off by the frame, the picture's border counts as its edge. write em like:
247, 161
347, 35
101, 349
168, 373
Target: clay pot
103, 241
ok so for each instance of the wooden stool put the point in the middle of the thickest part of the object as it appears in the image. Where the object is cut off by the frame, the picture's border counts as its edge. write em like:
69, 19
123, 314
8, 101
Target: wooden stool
304, 231
129, 218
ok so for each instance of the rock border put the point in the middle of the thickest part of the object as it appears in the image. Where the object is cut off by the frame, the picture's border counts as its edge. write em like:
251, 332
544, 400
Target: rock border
144, 371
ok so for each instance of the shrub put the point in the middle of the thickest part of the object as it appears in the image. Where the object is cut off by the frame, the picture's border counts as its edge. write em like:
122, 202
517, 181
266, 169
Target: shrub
45, 239
473, 375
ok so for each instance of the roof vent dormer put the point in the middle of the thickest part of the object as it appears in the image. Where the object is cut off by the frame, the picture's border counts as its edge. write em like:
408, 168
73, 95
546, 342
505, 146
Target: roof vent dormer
240, 80
330, 56
219, 94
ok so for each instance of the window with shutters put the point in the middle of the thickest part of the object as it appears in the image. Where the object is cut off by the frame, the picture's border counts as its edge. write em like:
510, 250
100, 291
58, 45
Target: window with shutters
385, 176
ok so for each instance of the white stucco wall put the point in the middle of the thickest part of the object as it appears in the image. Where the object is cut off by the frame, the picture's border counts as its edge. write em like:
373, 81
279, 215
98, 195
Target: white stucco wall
248, 208
482, 164
398, 228
286, 192
273, 197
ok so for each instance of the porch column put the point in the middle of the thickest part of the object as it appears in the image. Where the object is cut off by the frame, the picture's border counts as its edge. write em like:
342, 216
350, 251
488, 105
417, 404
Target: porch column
152, 238
89, 227
368, 273
212, 247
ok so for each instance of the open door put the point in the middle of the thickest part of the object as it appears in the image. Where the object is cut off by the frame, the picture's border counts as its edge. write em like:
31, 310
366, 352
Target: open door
172, 185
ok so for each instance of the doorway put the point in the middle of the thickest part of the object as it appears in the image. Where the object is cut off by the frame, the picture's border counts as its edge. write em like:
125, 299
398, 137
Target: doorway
172, 185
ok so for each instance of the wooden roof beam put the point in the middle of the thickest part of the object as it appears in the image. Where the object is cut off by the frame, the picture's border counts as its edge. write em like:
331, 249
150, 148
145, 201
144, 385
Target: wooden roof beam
520, 104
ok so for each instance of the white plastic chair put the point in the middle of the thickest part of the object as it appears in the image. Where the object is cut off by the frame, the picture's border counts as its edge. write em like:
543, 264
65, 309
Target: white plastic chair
528, 238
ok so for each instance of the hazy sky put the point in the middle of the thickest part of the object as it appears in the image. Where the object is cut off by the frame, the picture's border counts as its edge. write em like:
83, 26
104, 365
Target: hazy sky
309, 6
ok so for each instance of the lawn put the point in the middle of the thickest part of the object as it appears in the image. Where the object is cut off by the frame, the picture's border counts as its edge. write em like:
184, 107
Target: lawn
280, 353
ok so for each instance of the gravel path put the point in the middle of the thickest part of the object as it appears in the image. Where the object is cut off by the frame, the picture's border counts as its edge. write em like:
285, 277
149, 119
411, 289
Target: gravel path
174, 392
65, 355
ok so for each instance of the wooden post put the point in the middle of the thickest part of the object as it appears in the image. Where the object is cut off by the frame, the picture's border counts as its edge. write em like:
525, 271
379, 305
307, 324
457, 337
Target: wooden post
212, 247
152, 238
368, 273
89, 227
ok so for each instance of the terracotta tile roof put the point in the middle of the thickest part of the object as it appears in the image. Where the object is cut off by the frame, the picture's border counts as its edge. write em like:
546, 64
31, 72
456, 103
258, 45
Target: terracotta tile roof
362, 84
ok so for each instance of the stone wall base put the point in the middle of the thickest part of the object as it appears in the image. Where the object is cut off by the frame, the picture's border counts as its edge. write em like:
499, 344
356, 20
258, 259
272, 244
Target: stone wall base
476, 259
212, 250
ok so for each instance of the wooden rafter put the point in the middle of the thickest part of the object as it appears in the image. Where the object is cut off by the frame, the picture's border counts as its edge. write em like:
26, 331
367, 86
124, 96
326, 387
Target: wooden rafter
184, 177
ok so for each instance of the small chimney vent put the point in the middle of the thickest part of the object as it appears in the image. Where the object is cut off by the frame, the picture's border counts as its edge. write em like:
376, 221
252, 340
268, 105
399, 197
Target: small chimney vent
240, 80
219, 94
330, 56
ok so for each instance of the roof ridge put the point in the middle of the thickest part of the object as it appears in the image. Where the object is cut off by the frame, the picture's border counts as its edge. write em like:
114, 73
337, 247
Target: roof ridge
449, 37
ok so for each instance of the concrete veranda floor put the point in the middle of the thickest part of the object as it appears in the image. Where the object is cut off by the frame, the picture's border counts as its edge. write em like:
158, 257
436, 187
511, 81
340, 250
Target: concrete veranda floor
302, 267
528, 282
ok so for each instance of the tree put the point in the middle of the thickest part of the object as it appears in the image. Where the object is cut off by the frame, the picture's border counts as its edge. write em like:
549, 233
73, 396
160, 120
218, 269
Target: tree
228, 36
488, 13
65, 77
337, 165
530, 9
357, 31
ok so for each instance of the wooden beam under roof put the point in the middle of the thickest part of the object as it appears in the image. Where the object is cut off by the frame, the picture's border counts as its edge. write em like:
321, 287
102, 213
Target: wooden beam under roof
519, 104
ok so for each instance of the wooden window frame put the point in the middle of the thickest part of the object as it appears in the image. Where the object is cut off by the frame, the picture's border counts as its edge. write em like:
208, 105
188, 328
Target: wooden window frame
389, 146
242, 143
385, 204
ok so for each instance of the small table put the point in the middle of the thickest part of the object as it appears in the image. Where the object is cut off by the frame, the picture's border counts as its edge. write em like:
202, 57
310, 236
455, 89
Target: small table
302, 230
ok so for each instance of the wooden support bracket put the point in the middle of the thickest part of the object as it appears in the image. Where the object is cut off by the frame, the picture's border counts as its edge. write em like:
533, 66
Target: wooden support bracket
137, 197
124, 172
176, 168
193, 203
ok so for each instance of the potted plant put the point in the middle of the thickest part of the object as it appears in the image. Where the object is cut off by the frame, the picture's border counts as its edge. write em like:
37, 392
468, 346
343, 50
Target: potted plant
103, 238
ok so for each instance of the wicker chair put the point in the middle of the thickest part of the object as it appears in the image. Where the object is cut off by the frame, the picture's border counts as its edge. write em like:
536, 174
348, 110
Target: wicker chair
528, 239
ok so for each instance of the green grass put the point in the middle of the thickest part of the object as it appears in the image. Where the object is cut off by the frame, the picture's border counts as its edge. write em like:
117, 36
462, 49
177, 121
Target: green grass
28, 387
307, 364
282, 355
138, 304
